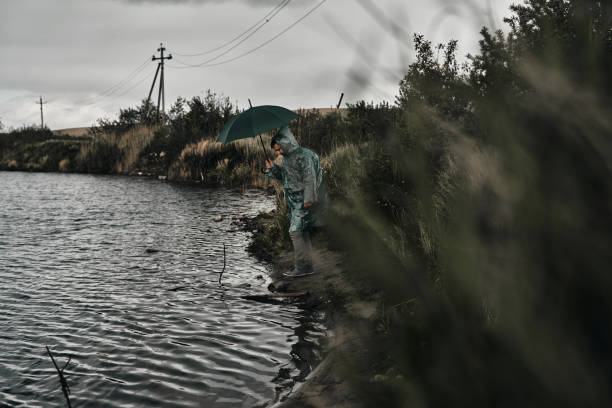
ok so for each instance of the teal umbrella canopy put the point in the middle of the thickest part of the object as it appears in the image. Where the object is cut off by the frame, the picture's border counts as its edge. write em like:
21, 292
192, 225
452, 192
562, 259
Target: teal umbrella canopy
254, 121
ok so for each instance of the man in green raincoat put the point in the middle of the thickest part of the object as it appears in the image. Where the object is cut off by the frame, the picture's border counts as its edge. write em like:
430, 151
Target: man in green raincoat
305, 193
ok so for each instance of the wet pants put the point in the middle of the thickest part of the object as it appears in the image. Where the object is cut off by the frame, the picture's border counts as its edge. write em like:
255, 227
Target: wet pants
302, 249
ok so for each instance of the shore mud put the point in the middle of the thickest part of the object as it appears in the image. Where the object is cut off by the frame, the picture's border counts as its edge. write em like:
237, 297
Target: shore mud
346, 303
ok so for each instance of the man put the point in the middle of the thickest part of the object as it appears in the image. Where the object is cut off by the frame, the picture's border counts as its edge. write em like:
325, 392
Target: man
305, 193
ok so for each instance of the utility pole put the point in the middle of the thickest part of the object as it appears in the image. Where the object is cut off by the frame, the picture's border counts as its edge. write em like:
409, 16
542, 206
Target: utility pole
41, 103
161, 96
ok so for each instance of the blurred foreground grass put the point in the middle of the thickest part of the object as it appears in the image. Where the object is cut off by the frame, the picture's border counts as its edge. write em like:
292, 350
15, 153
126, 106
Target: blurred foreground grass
482, 211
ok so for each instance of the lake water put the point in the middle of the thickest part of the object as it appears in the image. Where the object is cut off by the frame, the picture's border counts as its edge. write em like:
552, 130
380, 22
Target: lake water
144, 329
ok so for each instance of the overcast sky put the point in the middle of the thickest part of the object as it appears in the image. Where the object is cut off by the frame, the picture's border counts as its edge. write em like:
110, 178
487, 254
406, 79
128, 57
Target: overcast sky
88, 58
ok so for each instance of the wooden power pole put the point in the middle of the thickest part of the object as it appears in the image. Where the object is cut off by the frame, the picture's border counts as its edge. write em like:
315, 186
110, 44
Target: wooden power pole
161, 96
41, 103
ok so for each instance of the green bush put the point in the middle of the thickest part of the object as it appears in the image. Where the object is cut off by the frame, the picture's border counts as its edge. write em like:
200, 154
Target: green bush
189, 121
483, 217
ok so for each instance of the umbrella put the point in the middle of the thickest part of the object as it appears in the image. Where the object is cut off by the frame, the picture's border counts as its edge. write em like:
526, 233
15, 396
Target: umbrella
254, 121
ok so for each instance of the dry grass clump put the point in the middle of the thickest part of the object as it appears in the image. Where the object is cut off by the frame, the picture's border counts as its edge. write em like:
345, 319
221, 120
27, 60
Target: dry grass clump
236, 163
120, 151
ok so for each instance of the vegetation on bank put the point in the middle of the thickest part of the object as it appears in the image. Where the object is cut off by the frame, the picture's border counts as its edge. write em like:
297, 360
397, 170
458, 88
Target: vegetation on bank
133, 143
480, 208
476, 206
33, 149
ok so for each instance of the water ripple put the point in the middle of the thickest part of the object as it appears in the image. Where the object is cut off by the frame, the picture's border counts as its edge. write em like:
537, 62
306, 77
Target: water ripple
143, 328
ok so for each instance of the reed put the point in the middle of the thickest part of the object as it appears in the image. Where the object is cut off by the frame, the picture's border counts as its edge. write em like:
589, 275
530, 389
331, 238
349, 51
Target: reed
237, 163
114, 151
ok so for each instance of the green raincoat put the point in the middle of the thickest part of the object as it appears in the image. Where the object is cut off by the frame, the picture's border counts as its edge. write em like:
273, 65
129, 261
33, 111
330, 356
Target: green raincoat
302, 178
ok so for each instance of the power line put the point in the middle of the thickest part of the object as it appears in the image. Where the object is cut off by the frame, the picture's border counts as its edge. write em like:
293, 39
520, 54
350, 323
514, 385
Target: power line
127, 79
104, 100
206, 65
105, 97
116, 87
108, 101
149, 75
235, 45
265, 18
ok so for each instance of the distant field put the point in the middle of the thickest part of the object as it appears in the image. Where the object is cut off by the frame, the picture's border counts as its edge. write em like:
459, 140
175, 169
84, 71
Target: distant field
80, 131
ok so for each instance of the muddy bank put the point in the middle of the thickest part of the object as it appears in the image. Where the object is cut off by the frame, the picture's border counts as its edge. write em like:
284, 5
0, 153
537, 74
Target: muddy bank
346, 302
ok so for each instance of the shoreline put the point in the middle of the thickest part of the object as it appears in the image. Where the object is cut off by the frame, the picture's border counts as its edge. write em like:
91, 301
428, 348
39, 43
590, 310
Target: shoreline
341, 299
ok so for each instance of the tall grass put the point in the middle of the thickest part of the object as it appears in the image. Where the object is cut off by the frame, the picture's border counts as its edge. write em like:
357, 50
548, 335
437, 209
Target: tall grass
238, 163
482, 215
115, 151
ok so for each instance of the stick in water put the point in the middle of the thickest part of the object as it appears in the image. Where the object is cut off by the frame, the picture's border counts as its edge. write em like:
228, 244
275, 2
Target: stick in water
60, 373
223, 270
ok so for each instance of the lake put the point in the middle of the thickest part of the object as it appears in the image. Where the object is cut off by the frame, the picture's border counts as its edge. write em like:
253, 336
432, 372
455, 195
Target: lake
121, 274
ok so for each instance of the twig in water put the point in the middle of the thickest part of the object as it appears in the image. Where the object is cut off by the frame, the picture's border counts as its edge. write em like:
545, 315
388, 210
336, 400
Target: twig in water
60, 373
223, 270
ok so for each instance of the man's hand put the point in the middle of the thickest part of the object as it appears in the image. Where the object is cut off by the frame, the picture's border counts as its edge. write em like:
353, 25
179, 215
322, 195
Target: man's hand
268, 163
306, 205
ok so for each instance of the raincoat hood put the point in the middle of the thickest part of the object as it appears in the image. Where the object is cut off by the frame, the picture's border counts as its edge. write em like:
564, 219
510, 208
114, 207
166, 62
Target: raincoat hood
285, 139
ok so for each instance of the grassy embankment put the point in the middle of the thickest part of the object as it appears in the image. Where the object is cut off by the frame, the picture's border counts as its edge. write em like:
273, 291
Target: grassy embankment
35, 149
183, 149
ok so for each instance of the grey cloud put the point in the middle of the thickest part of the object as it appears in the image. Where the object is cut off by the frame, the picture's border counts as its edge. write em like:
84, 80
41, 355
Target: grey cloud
251, 3
68, 51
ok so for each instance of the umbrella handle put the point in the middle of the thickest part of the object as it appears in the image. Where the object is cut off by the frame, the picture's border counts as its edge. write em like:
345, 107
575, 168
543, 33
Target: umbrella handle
264, 147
